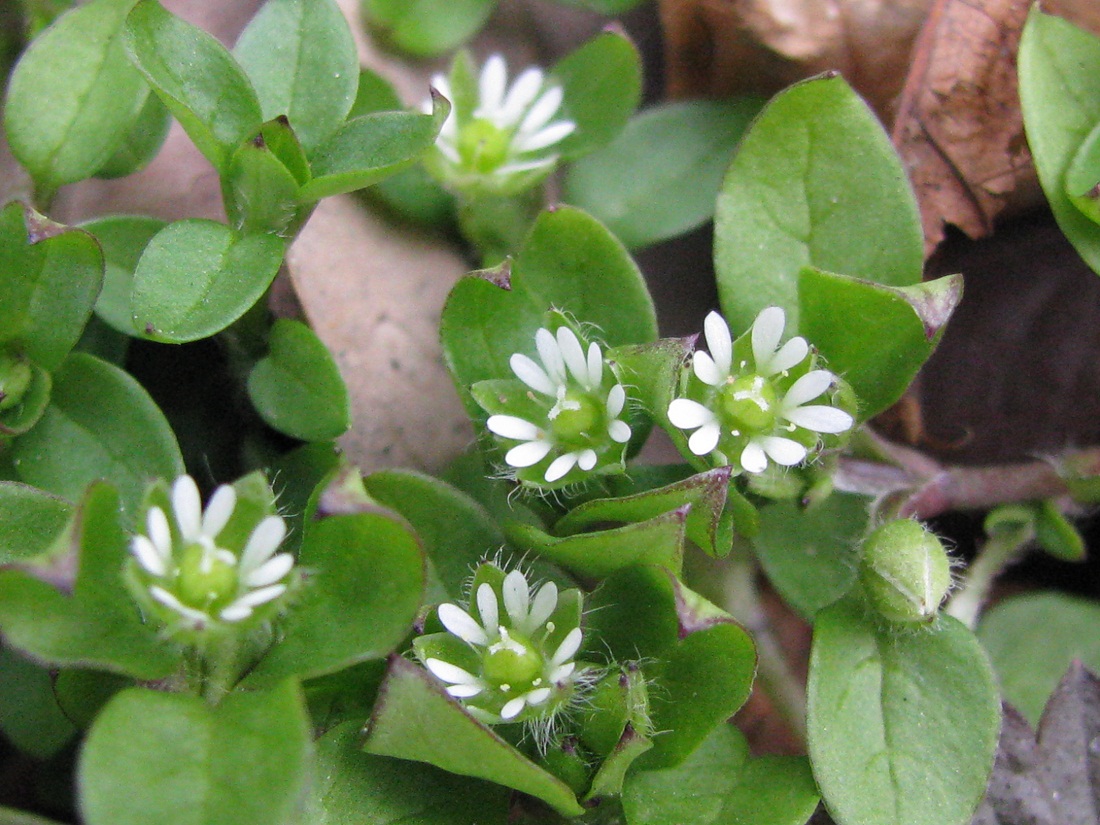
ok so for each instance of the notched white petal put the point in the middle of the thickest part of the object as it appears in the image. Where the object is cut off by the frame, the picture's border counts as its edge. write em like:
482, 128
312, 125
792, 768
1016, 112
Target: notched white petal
461, 624
513, 708
706, 370
560, 466
187, 507
452, 674
807, 388
537, 696
510, 426
687, 414
616, 400
159, 532
542, 607
524, 455
753, 458
516, 597
219, 510
704, 439
782, 450
820, 419
586, 459
568, 647
767, 329
719, 342
487, 607
789, 354
574, 356
619, 431
550, 353
148, 556
263, 542
270, 571
532, 374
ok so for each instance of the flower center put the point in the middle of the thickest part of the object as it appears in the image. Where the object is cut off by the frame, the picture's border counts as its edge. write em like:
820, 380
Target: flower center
206, 576
482, 145
749, 403
575, 416
511, 661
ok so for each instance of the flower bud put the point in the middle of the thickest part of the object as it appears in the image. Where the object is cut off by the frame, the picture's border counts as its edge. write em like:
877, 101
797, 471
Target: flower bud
15, 379
905, 572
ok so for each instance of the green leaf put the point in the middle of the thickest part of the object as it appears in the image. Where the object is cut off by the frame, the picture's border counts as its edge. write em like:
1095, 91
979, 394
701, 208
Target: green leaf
21, 417
609, 8
297, 388
74, 96
366, 577
426, 28
357, 788
720, 784
301, 59
1033, 638
1059, 71
658, 540
371, 147
260, 193
172, 759
9, 816
876, 337
141, 143
415, 719
698, 662
195, 77
815, 182
196, 277
122, 238
29, 713
602, 85
569, 262
902, 725
811, 556
50, 276
99, 625
101, 424
458, 534
31, 520
659, 178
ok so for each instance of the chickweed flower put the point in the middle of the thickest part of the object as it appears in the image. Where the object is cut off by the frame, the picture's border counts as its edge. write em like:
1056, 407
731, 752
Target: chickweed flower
497, 139
509, 655
748, 400
563, 416
194, 574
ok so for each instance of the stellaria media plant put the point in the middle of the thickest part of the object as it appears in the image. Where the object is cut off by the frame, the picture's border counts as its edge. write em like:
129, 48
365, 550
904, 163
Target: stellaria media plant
560, 630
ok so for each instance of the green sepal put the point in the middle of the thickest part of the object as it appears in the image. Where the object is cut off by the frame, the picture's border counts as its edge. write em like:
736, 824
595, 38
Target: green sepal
1057, 535
415, 719
876, 337
19, 418
259, 190
98, 625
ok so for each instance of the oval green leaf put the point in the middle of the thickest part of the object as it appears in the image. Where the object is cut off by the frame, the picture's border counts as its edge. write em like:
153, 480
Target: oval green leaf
902, 725
196, 277
297, 388
141, 143
123, 239
815, 182
31, 520
171, 758
426, 28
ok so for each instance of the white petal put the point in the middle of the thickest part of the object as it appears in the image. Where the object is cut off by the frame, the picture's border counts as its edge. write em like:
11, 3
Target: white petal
447, 149
270, 571
719, 342
537, 696
264, 595
587, 459
767, 329
531, 374
263, 543
562, 672
550, 353
545, 137
687, 414
568, 647
516, 597
512, 709
219, 510
487, 608
542, 607
522, 94
704, 439
148, 556
524, 455
464, 691
187, 507
616, 399
782, 450
619, 431
595, 365
820, 419
560, 466
510, 426
235, 613
574, 356
491, 85
753, 458
542, 110
706, 370
449, 673
515, 167
459, 622
807, 388
789, 354
159, 531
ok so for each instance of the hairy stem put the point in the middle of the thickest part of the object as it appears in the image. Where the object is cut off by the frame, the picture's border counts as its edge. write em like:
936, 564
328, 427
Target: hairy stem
997, 553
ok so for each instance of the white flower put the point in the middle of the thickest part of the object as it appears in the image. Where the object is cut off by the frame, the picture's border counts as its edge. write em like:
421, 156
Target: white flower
748, 409
581, 421
516, 670
196, 578
511, 132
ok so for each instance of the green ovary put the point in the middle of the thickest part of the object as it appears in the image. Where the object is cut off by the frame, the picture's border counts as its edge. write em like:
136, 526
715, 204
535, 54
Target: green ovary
575, 418
749, 404
204, 580
511, 661
482, 146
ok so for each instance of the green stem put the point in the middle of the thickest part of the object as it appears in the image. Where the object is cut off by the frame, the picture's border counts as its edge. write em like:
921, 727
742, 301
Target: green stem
997, 553
742, 597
